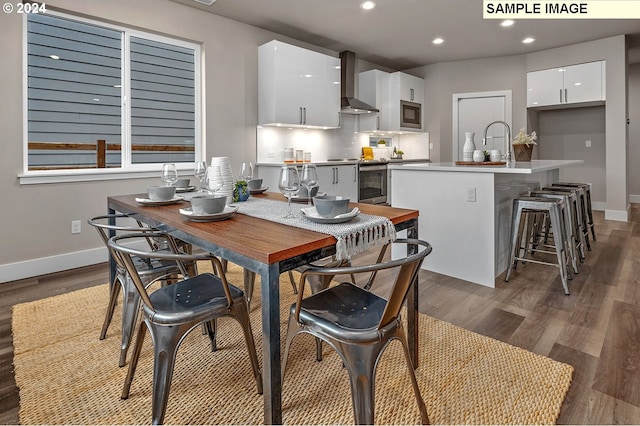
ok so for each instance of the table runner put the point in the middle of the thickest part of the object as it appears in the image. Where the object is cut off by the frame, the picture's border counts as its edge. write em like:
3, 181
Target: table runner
359, 234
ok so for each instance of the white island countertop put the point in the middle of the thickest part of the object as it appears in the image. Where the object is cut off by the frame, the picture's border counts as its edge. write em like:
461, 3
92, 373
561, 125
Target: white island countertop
519, 167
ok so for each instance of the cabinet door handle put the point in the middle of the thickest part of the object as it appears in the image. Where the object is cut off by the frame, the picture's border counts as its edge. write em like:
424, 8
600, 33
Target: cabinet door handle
566, 98
355, 174
337, 175
378, 121
411, 94
300, 121
305, 115
560, 95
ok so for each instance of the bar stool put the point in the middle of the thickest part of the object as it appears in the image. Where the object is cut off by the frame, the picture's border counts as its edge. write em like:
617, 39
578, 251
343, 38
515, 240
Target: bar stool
581, 208
587, 188
528, 209
576, 248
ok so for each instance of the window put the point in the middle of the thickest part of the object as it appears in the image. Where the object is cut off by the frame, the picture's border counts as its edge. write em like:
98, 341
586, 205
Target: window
106, 97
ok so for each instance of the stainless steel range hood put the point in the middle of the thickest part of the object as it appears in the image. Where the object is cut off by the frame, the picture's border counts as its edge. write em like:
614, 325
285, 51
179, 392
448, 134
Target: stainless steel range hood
350, 104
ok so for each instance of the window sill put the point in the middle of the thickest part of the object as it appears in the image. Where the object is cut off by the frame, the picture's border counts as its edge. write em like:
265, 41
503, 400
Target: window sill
88, 175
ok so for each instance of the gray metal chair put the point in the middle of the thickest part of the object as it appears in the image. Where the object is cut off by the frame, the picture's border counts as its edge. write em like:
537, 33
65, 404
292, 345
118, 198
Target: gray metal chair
358, 324
148, 270
171, 312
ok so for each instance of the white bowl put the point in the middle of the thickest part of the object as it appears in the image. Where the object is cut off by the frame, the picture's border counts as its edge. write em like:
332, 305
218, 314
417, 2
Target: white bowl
255, 183
331, 206
161, 193
208, 204
183, 183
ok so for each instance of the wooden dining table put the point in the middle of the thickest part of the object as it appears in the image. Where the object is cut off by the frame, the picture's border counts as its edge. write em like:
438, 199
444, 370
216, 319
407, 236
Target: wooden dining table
269, 249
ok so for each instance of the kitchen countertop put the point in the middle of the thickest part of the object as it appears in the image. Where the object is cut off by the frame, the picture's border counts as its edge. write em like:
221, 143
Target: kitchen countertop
519, 167
392, 161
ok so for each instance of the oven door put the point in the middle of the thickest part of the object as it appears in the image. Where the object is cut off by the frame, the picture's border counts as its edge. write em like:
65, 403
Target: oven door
372, 184
410, 115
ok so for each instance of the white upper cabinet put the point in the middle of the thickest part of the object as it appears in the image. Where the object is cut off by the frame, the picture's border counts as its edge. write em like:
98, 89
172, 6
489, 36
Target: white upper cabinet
297, 87
567, 85
374, 90
398, 96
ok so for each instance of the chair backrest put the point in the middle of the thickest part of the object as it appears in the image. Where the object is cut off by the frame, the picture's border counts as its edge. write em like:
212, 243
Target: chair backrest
123, 247
407, 269
111, 224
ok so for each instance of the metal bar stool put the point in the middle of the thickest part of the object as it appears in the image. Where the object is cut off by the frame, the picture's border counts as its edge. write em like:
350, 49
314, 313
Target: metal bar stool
587, 189
526, 209
573, 225
581, 208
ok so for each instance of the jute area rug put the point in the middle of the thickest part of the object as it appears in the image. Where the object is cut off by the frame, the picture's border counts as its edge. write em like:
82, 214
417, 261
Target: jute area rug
66, 375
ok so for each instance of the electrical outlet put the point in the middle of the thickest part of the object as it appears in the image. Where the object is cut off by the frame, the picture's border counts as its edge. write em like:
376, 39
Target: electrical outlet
471, 195
587, 143
431, 146
76, 226
271, 154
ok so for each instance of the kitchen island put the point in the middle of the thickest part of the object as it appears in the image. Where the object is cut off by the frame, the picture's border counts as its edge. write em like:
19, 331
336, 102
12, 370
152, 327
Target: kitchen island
465, 211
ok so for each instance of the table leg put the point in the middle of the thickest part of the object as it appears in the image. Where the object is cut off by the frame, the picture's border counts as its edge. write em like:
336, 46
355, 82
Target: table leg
412, 302
271, 366
112, 262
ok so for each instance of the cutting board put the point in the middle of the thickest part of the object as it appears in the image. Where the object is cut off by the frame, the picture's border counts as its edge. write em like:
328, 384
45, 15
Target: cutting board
480, 163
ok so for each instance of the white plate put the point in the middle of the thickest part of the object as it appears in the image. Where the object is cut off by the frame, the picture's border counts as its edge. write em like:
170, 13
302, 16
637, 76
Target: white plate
296, 199
311, 214
187, 189
148, 202
229, 210
259, 190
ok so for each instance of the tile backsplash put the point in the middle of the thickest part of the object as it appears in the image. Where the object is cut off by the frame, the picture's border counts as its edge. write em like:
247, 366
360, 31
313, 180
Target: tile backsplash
345, 142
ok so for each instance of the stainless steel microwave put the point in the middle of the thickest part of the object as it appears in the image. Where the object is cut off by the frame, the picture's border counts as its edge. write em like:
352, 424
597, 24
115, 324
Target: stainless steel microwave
410, 115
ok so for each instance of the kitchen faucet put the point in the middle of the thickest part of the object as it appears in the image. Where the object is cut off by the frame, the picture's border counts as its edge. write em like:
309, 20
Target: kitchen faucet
507, 141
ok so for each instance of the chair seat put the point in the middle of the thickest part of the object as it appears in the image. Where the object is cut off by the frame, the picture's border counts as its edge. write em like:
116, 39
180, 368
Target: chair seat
188, 299
345, 312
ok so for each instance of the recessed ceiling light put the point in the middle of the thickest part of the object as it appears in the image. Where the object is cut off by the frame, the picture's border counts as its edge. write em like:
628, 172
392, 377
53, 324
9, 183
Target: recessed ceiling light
528, 40
507, 23
367, 5
54, 56
438, 40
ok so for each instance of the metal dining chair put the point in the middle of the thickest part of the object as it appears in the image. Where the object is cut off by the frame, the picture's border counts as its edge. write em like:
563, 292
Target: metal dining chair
359, 324
171, 312
148, 270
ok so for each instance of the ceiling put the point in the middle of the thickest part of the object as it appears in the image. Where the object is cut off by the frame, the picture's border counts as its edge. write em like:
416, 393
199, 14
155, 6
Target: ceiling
397, 33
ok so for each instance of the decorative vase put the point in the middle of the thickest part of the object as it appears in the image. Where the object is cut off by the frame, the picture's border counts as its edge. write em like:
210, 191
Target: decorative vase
240, 191
468, 147
477, 156
522, 152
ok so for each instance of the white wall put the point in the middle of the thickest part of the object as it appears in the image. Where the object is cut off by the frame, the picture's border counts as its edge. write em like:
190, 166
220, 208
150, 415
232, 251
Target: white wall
562, 134
634, 133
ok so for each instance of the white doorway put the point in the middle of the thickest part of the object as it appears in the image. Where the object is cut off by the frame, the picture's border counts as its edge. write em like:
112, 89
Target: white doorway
472, 112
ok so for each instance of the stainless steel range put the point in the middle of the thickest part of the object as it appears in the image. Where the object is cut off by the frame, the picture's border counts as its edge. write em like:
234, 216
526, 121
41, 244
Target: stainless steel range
372, 181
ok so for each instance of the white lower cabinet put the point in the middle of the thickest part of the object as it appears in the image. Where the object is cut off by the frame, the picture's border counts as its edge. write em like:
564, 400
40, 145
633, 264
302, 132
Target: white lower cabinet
339, 180
334, 180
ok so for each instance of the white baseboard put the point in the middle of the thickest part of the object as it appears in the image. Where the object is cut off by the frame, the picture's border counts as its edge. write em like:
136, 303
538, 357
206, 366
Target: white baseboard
634, 198
48, 265
599, 205
618, 215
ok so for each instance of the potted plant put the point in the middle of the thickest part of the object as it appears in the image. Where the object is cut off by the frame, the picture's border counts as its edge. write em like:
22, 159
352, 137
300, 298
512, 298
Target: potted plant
240, 191
398, 153
523, 145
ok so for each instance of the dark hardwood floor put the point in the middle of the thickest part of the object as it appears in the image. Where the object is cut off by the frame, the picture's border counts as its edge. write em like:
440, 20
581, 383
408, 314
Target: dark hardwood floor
596, 329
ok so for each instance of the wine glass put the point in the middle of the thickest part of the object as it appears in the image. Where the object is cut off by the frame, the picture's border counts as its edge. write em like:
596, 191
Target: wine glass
246, 172
289, 184
309, 179
214, 179
169, 174
200, 172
